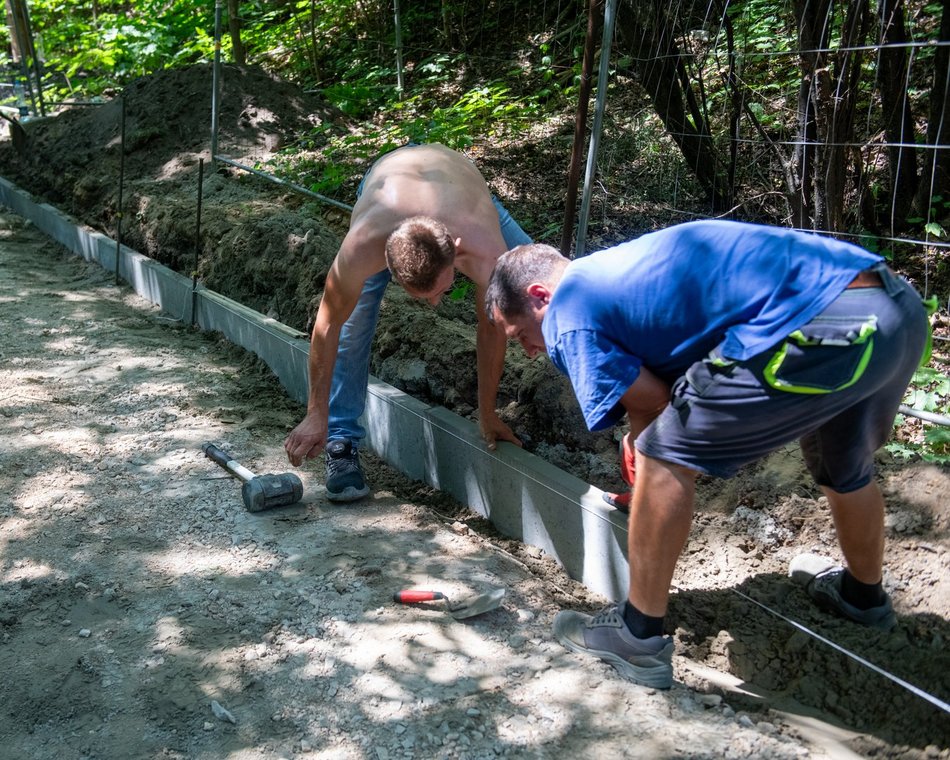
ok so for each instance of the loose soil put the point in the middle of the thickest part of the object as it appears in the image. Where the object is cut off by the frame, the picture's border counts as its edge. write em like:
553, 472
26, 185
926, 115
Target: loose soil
136, 589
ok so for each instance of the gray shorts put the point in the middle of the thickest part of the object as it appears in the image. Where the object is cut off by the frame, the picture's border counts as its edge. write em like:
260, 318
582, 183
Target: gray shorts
834, 385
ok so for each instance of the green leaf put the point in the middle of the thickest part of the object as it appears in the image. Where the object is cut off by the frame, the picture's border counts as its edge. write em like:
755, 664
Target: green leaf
932, 228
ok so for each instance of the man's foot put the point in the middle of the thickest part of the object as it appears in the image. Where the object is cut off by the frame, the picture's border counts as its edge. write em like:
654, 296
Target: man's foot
345, 481
822, 581
648, 662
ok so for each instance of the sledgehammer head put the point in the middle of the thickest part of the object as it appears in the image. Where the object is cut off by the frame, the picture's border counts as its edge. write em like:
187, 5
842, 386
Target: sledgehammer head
267, 491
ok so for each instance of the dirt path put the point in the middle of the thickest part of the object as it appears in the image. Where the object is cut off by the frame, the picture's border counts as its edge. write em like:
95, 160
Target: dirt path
136, 593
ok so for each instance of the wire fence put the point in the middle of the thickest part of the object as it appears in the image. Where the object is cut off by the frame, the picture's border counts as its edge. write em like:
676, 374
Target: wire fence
644, 176
751, 121
760, 143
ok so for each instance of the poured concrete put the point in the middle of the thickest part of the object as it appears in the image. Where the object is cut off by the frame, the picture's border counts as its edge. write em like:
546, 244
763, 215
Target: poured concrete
524, 497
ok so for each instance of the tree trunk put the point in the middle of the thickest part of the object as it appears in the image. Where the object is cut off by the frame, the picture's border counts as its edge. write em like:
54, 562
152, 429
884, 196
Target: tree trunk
238, 51
828, 103
646, 31
12, 31
812, 20
842, 107
898, 120
935, 178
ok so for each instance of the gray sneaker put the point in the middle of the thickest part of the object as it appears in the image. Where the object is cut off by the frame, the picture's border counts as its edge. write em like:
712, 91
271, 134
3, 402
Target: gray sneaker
648, 662
345, 481
822, 581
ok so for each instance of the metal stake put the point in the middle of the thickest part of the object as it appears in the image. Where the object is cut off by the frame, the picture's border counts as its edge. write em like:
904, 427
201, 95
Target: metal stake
194, 273
118, 216
609, 18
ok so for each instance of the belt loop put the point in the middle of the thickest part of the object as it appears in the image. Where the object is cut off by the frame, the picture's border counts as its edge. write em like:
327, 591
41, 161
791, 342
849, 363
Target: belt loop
891, 282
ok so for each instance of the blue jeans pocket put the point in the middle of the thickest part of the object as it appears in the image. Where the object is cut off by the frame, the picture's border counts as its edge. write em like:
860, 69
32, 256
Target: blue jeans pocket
828, 354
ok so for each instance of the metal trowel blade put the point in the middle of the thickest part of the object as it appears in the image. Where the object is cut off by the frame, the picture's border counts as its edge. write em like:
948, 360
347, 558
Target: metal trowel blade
476, 605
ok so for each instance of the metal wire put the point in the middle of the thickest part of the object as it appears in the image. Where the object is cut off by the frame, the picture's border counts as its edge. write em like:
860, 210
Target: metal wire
917, 691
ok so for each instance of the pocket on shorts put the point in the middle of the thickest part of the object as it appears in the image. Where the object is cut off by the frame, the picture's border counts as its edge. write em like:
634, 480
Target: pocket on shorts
828, 354
702, 375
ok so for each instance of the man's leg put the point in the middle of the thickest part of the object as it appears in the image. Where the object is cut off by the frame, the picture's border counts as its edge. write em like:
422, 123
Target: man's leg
629, 635
351, 371
510, 229
856, 591
859, 523
661, 515
345, 479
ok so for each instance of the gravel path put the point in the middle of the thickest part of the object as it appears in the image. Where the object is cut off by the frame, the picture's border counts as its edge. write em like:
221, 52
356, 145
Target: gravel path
144, 613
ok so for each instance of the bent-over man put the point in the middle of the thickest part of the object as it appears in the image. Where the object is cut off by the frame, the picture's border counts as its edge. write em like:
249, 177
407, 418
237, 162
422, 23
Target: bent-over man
721, 342
423, 211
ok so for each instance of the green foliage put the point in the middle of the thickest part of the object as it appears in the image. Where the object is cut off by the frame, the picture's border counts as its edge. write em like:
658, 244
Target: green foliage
871, 242
324, 161
94, 51
489, 110
462, 288
362, 93
929, 392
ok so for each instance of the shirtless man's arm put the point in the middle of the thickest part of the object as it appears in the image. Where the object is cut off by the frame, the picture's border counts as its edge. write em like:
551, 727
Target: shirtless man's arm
490, 344
475, 259
359, 257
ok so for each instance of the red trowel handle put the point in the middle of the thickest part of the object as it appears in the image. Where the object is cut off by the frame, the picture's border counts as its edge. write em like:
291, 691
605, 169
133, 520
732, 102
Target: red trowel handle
410, 596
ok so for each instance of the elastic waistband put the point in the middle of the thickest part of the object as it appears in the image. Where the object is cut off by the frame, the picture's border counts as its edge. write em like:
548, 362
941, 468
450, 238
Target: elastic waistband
891, 282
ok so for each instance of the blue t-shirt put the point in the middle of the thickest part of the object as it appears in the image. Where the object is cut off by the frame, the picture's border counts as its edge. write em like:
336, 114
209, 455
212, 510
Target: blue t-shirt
666, 299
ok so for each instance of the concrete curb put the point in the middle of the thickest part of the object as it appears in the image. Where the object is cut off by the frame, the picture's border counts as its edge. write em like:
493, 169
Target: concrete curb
525, 497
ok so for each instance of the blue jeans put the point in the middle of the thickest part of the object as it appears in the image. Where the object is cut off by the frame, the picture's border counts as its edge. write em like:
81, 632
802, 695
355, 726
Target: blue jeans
351, 371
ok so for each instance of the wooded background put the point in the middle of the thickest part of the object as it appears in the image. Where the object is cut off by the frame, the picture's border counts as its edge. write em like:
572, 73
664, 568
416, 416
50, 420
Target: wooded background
821, 115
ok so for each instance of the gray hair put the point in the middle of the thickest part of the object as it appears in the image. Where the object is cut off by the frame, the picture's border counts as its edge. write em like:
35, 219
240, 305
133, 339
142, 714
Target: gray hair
514, 272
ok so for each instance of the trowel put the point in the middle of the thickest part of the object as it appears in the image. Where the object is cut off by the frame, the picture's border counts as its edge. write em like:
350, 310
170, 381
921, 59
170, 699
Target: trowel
465, 608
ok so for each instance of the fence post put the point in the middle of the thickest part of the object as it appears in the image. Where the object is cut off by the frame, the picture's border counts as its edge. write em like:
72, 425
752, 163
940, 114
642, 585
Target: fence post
118, 215
580, 126
216, 66
399, 80
194, 273
609, 18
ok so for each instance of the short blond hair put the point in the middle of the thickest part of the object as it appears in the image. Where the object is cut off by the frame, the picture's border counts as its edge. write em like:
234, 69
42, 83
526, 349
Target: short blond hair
418, 251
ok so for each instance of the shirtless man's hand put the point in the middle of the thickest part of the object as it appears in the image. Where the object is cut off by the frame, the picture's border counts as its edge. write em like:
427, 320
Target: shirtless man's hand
493, 429
307, 440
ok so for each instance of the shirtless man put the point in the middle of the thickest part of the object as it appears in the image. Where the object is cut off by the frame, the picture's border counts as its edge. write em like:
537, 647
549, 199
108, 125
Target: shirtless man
423, 211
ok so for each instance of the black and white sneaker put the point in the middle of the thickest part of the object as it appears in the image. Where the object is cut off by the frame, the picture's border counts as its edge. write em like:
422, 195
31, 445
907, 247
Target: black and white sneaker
345, 480
821, 578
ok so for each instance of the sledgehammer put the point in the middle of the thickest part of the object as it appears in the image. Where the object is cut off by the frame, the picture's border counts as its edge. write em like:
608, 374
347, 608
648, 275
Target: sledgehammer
259, 491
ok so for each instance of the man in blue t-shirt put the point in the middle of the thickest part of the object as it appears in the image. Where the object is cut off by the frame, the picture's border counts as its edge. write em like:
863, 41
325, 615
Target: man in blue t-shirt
721, 342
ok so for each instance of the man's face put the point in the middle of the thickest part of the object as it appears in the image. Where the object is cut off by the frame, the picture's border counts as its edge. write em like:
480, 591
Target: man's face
526, 329
442, 285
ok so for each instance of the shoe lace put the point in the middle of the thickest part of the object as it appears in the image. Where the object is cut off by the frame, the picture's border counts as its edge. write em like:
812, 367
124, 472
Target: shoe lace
343, 463
608, 616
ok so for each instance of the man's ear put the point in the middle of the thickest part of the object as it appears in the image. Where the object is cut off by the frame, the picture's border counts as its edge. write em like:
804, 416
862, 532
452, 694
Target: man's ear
539, 292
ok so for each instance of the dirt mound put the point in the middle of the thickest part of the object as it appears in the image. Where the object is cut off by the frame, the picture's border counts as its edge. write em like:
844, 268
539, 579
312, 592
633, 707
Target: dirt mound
75, 158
